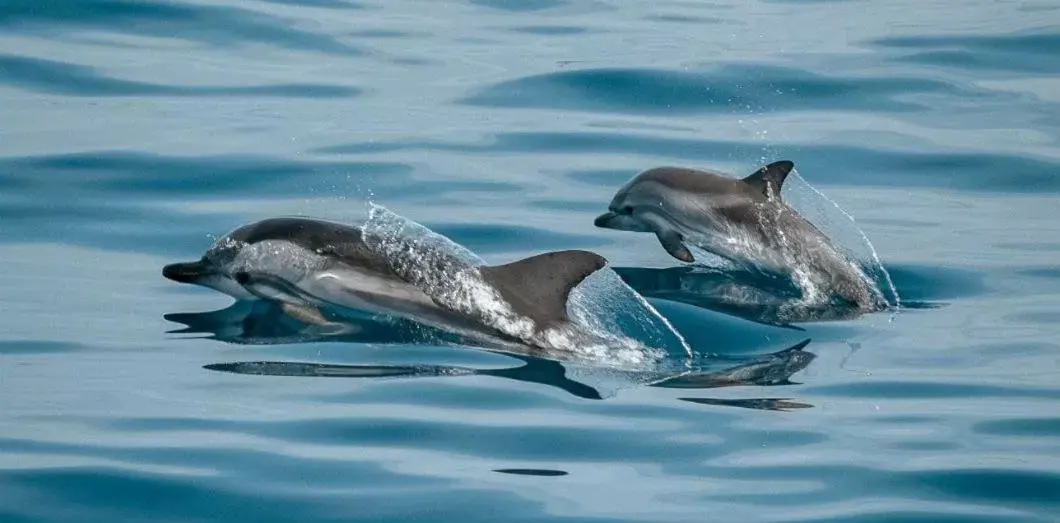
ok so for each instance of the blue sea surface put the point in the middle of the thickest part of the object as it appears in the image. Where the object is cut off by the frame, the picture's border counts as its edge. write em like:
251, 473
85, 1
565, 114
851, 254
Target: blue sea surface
134, 133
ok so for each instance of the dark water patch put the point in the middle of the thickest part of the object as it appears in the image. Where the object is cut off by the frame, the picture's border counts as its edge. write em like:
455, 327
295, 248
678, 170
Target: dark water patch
19, 347
1032, 7
910, 516
997, 488
927, 390
924, 446
375, 147
519, 5
1021, 427
533, 472
818, 163
414, 61
1036, 53
1009, 349
247, 464
688, 19
1035, 318
906, 223
1006, 488
60, 78
903, 420
481, 238
12, 517
729, 88
76, 494
163, 424
1029, 246
144, 494
382, 33
925, 283
811, 1
549, 30
219, 25
484, 398
111, 229
1050, 273
526, 442
145, 175
329, 4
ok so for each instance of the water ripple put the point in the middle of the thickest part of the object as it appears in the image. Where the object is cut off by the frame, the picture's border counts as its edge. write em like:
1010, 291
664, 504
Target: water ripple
829, 164
1034, 53
520, 5
194, 22
725, 89
61, 78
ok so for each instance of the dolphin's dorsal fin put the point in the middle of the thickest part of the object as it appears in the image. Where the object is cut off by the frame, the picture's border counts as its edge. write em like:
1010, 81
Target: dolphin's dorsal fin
770, 179
537, 287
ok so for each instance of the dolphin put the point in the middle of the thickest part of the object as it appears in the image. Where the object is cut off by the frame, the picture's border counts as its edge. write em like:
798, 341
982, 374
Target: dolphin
303, 263
742, 220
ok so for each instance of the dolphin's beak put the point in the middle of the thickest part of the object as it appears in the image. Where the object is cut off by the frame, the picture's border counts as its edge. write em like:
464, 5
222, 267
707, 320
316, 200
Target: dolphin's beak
185, 272
604, 220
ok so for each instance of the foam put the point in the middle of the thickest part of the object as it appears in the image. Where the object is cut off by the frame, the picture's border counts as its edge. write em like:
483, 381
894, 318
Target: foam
448, 273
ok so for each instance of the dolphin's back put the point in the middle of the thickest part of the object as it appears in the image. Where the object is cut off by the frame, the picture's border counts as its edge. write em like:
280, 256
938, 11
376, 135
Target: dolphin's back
698, 182
343, 242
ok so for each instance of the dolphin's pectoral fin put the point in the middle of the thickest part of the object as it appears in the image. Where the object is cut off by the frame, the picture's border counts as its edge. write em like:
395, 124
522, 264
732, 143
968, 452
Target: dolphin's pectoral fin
319, 325
291, 301
538, 287
305, 314
672, 241
770, 179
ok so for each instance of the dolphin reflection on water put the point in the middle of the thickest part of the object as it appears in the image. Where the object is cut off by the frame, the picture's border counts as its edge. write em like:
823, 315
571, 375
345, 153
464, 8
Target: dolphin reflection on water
263, 323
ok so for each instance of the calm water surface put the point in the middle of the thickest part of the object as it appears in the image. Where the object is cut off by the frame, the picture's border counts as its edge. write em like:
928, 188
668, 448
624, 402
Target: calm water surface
131, 133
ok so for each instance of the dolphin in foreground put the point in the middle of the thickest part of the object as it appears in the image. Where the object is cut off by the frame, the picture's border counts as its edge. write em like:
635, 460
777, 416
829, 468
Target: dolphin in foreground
302, 263
742, 220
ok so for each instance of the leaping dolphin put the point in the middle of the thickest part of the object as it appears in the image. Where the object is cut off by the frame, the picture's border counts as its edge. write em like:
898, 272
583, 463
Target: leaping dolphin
301, 262
742, 220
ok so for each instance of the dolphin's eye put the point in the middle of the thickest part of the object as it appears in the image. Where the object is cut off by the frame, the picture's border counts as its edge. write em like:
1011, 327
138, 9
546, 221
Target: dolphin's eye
627, 210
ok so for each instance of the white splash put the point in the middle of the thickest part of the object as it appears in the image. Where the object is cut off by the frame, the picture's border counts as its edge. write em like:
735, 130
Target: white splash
448, 273
873, 254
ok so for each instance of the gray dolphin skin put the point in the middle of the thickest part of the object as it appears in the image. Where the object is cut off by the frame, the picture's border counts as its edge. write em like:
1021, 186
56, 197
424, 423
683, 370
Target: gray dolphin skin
301, 262
742, 220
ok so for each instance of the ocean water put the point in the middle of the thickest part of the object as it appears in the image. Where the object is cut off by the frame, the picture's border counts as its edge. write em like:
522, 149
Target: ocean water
133, 133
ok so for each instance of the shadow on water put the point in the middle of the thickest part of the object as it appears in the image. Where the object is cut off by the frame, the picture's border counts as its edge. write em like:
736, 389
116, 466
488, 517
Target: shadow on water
264, 323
